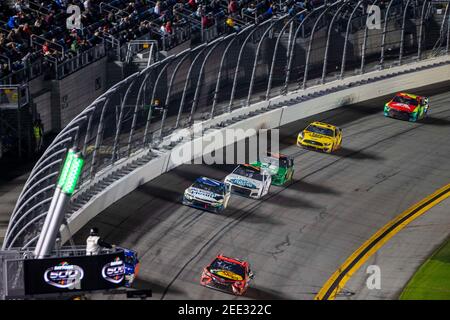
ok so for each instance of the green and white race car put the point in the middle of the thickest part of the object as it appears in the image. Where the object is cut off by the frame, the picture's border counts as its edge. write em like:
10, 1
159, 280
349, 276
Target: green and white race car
280, 167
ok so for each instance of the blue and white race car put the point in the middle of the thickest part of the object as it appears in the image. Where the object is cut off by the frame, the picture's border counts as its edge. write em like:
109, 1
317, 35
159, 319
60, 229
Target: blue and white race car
131, 266
207, 194
249, 181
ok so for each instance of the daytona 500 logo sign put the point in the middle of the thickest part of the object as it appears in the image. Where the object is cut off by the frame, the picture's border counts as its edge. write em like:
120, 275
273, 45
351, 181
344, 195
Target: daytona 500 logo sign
114, 271
64, 276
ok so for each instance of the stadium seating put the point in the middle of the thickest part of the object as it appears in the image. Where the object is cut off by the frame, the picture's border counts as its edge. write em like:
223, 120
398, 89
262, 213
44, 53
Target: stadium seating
36, 29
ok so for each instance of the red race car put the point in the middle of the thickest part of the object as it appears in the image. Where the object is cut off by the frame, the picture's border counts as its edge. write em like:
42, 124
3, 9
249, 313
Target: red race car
227, 274
406, 106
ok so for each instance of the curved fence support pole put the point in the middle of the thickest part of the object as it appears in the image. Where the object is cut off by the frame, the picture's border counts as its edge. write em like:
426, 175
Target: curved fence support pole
119, 122
186, 54
34, 220
272, 66
39, 168
421, 37
12, 226
448, 35
383, 37
186, 83
364, 45
99, 137
49, 188
216, 90
236, 71
31, 184
86, 137
252, 79
150, 109
347, 32
149, 115
402, 38
199, 80
143, 88
439, 41
292, 49
65, 132
136, 108
291, 33
144, 83
311, 38
88, 129
30, 242
327, 46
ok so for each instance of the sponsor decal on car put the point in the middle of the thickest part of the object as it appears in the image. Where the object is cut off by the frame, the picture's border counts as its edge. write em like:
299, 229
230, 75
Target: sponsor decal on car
64, 275
316, 135
114, 271
202, 193
229, 275
243, 183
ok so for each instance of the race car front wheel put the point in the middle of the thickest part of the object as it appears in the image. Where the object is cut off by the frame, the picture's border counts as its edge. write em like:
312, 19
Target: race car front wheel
237, 291
331, 149
289, 176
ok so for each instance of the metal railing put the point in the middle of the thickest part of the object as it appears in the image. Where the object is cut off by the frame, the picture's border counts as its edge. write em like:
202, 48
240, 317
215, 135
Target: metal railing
79, 61
30, 71
38, 41
136, 46
273, 58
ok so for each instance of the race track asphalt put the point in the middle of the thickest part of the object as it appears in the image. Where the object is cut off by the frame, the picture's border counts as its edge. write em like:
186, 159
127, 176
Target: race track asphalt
298, 235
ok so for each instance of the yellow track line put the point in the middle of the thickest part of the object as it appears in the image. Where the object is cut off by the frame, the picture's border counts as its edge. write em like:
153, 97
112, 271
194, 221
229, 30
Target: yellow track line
340, 277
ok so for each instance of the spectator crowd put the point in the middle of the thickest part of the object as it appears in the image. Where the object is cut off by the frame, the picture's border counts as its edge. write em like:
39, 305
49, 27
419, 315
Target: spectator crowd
30, 30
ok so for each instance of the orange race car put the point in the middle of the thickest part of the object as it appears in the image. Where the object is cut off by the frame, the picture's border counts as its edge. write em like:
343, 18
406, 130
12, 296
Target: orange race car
227, 274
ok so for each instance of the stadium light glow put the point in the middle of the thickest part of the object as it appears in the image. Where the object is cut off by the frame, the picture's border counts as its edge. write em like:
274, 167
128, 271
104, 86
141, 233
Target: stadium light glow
76, 166
66, 167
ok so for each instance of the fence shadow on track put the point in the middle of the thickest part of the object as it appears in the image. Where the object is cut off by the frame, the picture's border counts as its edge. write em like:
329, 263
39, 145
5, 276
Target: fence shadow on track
308, 187
346, 152
141, 284
257, 293
430, 120
166, 194
289, 201
254, 217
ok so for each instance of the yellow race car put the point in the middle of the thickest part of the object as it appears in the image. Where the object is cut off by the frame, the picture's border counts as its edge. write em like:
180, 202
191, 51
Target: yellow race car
320, 136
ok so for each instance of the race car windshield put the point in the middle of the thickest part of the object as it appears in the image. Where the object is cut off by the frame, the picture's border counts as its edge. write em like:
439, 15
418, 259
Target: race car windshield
248, 172
218, 266
282, 162
129, 260
219, 189
405, 100
320, 130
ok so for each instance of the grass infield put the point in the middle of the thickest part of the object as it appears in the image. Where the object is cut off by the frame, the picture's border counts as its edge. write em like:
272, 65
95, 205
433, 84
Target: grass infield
432, 280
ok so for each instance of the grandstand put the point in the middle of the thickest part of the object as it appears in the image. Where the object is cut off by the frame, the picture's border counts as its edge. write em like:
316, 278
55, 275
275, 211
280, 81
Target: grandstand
31, 31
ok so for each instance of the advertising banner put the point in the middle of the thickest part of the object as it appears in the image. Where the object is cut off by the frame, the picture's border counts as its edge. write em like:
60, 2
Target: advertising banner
13, 96
79, 273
